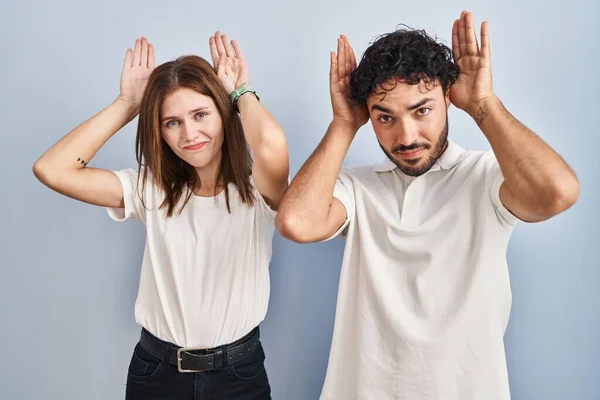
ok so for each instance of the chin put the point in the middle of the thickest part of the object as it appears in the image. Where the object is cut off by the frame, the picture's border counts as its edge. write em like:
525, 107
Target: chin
415, 170
196, 164
414, 163
200, 161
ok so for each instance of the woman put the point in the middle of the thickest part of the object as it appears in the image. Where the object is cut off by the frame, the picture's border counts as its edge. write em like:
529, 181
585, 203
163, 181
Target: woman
209, 211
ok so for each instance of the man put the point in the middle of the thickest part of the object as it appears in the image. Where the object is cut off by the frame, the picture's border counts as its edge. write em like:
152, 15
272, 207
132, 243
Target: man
424, 295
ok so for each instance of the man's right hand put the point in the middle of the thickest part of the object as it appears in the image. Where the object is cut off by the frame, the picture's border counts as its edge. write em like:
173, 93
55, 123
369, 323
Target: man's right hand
342, 65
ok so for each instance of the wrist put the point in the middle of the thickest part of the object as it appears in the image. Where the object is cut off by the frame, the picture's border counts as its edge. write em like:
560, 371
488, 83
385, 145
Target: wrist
244, 99
241, 95
131, 110
481, 109
344, 126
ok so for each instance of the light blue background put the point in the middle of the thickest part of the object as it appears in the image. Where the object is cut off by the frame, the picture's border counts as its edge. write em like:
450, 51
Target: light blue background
70, 274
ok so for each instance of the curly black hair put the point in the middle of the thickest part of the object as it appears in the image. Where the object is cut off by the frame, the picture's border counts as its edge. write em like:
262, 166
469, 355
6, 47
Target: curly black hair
408, 55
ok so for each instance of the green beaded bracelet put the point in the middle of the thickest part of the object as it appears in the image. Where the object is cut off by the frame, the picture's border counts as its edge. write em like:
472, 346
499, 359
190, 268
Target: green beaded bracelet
239, 92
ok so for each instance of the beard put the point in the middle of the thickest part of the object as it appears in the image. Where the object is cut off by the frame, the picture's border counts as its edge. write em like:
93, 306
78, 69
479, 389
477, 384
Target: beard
409, 167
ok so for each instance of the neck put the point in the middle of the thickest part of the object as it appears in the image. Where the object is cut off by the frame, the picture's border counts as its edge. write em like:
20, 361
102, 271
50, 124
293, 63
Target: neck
208, 178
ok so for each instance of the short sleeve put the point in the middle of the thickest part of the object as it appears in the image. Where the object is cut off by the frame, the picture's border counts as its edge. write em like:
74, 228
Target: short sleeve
494, 180
132, 200
342, 192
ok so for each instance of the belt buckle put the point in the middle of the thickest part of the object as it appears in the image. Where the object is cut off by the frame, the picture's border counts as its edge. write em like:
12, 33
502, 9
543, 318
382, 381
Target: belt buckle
179, 368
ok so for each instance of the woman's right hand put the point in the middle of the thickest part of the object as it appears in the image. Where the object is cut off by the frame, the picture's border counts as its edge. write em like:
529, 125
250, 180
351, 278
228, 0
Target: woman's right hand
138, 66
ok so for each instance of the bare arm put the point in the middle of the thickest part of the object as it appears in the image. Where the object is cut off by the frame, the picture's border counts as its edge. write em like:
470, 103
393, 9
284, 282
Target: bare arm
308, 210
538, 184
60, 168
265, 136
63, 166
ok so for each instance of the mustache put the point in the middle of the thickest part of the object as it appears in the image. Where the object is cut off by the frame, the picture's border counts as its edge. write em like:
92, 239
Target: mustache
414, 146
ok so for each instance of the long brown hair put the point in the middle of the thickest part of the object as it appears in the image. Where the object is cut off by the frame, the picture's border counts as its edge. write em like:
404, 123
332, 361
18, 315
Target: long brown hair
176, 178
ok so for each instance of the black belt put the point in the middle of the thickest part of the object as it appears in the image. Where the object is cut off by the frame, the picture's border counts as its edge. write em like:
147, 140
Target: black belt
199, 360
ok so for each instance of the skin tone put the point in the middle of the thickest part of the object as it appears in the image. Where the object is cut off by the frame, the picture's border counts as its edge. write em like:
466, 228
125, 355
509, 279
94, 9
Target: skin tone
190, 125
410, 122
60, 167
264, 135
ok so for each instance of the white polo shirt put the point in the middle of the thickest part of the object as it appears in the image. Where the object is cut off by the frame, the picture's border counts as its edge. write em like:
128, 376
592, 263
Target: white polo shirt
424, 295
205, 272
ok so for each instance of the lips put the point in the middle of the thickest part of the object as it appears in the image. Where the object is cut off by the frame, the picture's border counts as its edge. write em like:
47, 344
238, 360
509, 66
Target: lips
407, 155
196, 146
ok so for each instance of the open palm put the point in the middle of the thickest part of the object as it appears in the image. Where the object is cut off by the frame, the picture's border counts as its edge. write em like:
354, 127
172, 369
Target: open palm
474, 83
229, 62
137, 68
341, 66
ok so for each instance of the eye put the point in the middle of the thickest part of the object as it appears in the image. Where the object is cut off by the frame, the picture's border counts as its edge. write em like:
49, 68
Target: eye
385, 119
172, 123
200, 115
423, 111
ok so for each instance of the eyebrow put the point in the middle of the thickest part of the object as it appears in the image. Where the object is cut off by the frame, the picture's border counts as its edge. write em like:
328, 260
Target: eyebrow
202, 108
377, 107
419, 104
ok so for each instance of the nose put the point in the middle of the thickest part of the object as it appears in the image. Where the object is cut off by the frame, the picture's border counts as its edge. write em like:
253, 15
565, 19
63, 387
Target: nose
408, 132
190, 132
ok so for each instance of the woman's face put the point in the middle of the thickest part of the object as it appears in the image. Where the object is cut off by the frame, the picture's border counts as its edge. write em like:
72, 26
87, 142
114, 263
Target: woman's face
192, 127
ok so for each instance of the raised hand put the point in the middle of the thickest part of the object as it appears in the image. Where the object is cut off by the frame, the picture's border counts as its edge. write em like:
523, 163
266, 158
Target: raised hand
342, 65
474, 83
137, 68
229, 62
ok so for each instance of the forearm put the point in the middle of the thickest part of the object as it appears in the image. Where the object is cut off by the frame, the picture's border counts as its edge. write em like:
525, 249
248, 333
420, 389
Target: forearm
310, 195
263, 133
79, 146
535, 174
271, 165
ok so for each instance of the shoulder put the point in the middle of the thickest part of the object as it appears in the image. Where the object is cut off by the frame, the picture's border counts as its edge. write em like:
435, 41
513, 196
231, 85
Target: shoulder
357, 173
477, 162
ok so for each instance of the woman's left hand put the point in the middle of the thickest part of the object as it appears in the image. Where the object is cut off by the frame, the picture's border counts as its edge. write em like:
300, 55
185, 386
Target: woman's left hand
229, 62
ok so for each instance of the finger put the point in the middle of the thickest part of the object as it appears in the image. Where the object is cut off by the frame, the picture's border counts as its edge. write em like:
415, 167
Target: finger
462, 35
214, 53
472, 46
485, 41
237, 50
151, 61
144, 55
128, 58
332, 66
341, 59
352, 57
220, 48
455, 42
221, 69
334, 80
137, 53
348, 52
228, 49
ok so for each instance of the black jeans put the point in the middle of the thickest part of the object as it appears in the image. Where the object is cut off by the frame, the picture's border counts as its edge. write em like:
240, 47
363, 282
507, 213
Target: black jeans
148, 378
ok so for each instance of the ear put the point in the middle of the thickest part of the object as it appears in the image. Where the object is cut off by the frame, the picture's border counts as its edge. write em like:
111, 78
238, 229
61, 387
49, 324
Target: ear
447, 98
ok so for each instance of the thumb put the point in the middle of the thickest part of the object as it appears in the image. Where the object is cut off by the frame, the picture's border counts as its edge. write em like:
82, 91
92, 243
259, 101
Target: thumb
128, 58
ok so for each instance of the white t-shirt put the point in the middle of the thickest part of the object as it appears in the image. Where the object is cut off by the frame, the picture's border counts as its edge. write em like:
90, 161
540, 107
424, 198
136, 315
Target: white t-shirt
205, 272
424, 295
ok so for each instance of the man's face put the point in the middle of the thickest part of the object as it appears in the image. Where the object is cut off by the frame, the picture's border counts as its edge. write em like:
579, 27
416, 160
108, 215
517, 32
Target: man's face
411, 123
